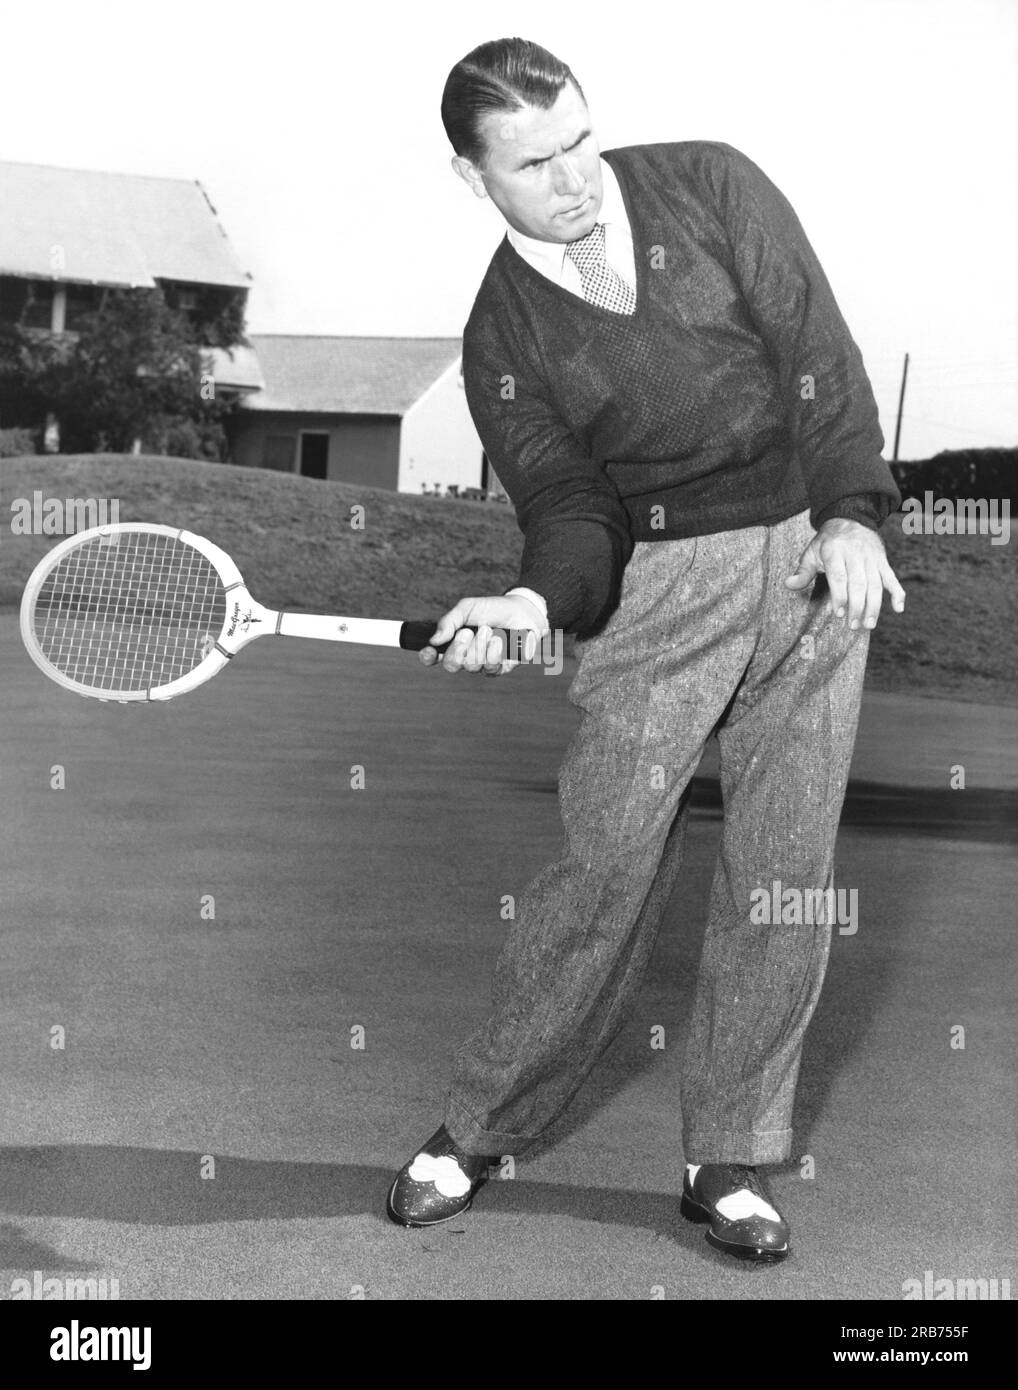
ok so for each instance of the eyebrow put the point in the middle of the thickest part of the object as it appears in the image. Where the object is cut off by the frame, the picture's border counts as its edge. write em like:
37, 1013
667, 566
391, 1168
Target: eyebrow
543, 158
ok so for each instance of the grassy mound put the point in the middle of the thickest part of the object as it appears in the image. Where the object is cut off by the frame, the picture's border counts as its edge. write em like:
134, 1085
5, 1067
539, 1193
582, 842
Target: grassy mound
292, 538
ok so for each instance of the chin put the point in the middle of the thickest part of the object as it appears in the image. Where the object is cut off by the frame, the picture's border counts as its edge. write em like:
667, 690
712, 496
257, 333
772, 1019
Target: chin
580, 227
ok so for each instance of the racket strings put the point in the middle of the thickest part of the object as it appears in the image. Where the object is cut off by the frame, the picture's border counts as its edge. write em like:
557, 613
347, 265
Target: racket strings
130, 612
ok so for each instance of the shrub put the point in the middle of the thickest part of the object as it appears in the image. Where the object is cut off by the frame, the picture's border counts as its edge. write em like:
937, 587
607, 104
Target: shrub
14, 443
956, 473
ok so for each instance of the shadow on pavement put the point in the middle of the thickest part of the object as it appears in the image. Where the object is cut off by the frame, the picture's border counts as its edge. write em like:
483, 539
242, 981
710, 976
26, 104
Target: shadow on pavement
977, 813
18, 1251
156, 1187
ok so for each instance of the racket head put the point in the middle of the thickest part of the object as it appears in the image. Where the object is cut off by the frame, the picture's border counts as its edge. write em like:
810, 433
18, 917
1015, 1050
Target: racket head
133, 612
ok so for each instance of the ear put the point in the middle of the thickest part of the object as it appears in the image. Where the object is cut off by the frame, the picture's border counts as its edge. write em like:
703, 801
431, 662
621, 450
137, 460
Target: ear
470, 174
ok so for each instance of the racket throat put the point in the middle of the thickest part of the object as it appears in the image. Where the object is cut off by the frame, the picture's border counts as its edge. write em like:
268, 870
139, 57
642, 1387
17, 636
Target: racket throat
369, 632
245, 619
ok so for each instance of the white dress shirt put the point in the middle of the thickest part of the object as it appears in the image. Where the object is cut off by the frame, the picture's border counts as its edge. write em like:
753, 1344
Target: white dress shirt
549, 257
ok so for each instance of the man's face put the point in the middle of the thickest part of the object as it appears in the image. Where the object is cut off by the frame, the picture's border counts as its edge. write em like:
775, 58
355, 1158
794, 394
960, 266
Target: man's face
543, 170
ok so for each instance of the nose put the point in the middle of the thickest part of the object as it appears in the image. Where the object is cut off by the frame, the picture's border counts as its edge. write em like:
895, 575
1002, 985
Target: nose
568, 180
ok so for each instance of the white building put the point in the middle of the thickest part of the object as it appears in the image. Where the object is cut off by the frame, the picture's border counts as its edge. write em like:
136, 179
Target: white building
384, 412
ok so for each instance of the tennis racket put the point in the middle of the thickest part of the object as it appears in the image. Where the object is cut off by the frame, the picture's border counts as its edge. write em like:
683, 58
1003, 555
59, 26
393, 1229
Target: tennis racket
144, 612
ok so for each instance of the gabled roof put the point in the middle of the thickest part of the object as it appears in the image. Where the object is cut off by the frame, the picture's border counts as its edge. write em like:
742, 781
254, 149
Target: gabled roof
350, 376
110, 229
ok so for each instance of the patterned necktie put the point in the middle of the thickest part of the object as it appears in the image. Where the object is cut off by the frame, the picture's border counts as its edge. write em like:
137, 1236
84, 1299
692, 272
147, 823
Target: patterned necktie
601, 284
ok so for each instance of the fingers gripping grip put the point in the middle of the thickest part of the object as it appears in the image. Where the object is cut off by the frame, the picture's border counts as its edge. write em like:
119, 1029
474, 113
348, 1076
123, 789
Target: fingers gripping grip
415, 636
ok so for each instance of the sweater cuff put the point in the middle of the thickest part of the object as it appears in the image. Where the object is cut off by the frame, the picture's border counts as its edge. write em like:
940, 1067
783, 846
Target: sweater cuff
565, 592
868, 508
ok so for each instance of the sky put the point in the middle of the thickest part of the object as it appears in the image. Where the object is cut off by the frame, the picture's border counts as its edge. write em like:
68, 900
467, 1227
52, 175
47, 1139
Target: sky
315, 130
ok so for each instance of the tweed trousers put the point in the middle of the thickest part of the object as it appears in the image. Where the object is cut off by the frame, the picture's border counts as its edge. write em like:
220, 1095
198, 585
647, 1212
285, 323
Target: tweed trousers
706, 637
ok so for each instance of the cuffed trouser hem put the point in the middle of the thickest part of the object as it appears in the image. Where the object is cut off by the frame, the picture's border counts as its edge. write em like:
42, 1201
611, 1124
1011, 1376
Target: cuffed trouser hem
735, 1146
473, 1138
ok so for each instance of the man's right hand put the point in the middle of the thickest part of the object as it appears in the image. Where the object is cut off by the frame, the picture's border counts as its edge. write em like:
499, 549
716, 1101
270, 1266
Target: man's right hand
481, 651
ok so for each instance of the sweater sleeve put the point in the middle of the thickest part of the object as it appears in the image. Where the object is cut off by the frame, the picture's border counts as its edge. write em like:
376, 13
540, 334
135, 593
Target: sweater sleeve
576, 530
832, 414
868, 508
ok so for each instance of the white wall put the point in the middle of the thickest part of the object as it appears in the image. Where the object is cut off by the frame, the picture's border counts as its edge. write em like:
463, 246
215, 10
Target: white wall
438, 442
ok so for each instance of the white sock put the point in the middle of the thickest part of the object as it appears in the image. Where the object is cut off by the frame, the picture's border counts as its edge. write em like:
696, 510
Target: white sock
691, 1171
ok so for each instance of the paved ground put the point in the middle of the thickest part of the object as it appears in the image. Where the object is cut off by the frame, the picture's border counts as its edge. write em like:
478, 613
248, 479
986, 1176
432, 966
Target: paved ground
379, 908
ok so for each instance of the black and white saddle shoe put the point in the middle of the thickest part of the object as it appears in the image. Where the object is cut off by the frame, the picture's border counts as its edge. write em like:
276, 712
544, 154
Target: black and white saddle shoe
437, 1184
743, 1219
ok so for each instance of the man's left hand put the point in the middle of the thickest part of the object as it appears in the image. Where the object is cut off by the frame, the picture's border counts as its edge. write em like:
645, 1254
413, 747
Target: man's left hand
855, 563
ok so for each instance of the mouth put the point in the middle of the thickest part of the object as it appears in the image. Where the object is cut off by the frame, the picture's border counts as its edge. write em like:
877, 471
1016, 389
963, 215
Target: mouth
580, 207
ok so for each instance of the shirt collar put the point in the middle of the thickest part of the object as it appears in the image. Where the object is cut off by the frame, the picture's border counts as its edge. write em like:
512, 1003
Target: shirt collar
552, 253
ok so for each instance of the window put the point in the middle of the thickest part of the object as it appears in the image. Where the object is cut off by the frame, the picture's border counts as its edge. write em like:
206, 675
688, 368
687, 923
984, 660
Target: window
314, 453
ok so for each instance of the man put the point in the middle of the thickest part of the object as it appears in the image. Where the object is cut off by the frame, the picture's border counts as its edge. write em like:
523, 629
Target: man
663, 383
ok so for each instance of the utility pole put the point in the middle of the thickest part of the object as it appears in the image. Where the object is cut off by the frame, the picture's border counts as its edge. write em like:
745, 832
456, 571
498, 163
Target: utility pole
901, 402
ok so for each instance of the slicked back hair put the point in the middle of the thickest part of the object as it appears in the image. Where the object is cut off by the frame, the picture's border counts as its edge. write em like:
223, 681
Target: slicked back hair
504, 75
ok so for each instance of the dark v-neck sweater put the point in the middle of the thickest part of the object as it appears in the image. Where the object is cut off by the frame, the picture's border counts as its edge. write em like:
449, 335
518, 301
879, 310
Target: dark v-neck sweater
734, 396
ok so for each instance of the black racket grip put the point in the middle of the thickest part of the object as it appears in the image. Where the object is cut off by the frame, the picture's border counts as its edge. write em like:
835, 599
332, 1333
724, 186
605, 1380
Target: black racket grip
415, 636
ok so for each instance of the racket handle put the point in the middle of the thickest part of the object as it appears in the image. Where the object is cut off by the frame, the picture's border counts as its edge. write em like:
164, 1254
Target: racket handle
415, 636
